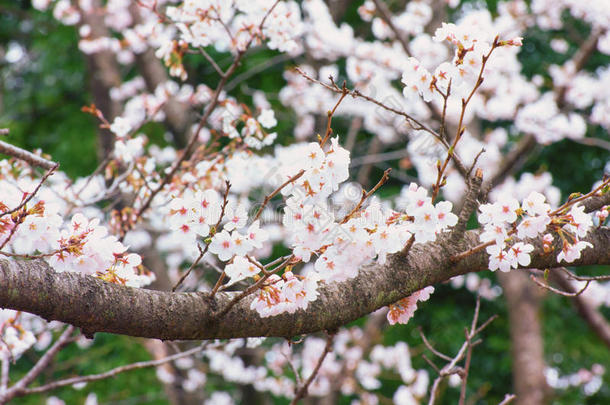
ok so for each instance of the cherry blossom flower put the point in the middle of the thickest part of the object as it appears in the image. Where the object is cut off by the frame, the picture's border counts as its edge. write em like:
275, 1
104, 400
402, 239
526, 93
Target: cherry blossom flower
240, 269
403, 310
531, 227
236, 216
120, 127
520, 252
267, 118
499, 259
581, 222
256, 236
222, 245
571, 252
534, 204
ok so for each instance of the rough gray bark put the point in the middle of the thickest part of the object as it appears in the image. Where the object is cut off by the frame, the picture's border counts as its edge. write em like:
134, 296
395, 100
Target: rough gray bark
97, 306
527, 345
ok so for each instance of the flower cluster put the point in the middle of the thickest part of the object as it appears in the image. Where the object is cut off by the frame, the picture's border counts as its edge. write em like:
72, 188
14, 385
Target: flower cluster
354, 371
457, 76
199, 214
15, 338
500, 226
286, 294
341, 246
80, 245
86, 247
229, 26
403, 310
253, 132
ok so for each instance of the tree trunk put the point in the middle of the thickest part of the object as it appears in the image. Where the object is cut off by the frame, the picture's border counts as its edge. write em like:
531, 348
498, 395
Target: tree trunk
523, 301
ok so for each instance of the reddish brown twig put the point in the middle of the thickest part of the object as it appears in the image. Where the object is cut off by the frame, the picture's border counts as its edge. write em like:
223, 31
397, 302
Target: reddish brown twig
365, 195
275, 192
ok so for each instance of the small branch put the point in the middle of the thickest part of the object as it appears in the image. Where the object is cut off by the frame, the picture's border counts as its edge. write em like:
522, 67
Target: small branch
302, 392
476, 159
470, 205
584, 278
26, 156
214, 229
114, 371
431, 348
218, 284
275, 192
386, 16
19, 389
195, 263
464, 374
587, 310
31, 195
600, 143
330, 114
465, 352
556, 291
211, 61
365, 196
574, 201
416, 124
431, 363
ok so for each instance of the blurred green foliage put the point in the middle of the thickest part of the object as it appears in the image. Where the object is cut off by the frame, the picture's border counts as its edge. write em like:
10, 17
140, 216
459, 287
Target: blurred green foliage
40, 102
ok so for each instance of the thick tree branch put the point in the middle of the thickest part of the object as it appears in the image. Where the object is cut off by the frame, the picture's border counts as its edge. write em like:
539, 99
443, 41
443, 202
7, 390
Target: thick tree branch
97, 306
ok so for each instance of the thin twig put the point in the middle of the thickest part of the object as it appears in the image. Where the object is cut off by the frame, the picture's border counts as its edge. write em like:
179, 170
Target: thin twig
431, 363
302, 392
556, 291
208, 112
275, 192
195, 263
31, 195
19, 389
114, 371
431, 348
211, 61
586, 309
416, 124
451, 367
584, 278
386, 16
330, 114
365, 195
